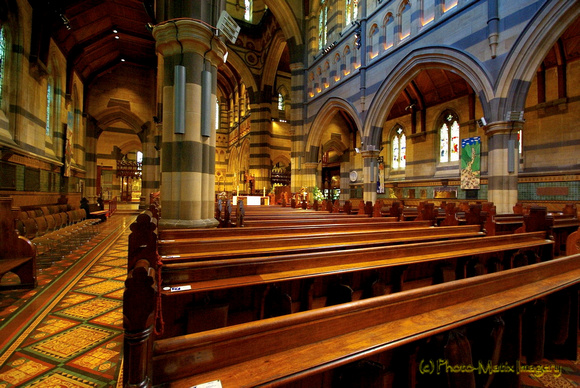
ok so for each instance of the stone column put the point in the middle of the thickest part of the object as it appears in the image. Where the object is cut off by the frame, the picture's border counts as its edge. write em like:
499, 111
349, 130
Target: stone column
370, 175
502, 175
309, 181
261, 139
150, 172
188, 159
297, 96
91, 139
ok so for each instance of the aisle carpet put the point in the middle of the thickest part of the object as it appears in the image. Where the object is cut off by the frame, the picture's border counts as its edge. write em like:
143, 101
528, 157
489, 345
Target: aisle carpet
68, 331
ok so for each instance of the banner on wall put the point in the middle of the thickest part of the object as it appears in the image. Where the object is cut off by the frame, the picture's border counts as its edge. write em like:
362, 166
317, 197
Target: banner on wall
470, 163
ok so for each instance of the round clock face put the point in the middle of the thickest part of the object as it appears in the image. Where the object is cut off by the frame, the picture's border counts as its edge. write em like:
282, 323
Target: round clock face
353, 176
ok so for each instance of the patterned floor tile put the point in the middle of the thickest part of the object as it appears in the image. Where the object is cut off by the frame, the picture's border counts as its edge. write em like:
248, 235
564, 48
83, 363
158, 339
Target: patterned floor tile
21, 370
91, 308
69, 344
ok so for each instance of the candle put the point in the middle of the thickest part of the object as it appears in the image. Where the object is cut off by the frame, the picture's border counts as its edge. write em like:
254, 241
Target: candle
263, 195
238, 190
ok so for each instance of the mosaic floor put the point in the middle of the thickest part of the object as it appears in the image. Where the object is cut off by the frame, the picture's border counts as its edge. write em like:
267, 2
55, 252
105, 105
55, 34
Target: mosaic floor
68, 331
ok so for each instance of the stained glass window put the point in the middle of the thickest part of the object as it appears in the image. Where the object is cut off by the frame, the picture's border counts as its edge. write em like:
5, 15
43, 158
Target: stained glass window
399, 143
281, 104
217, 114
248, 10
3, 54
322, 25
449, 139
351, 11
48, 105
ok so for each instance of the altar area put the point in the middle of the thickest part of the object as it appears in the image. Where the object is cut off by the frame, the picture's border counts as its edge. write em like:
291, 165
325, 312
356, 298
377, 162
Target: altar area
251, 200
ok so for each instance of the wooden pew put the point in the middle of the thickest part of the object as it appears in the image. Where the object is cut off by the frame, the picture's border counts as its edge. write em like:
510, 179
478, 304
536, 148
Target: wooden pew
17, 253
196, 249
283, 350
281, 230
262, 270
331, 219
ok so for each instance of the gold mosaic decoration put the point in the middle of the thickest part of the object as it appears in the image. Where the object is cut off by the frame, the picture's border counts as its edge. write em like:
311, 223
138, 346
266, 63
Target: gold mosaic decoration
64, 380
111, 273
22, 370
92, 308
114, 318
97, 360
72, 342
74, 299
102, 287
116, 262
117, 294
55, 325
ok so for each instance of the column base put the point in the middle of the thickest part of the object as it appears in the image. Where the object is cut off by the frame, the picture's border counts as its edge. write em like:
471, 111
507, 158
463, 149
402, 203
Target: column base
187, 224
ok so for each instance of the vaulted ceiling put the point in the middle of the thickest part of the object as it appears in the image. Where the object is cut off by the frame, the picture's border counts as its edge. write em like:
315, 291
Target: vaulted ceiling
96, 35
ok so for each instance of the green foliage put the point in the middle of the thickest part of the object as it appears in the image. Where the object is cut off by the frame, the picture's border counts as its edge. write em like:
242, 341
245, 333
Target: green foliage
317, 194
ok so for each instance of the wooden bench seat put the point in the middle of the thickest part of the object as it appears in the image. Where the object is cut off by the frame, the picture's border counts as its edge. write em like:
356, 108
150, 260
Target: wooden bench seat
17, 253
281, 230
277, 351
262, 270
320, 221
257, 245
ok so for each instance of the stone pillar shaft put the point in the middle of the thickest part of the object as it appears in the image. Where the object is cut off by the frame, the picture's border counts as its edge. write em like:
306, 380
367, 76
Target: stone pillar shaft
502, 183
188, 161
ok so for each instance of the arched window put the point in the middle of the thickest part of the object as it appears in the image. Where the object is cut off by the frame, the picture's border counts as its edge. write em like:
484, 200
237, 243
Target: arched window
322, 25
389, 31
3, 55
49, 105
338, 67
428, 11
347, 61
399, 147
449, 4
248, 10
405, 20
281, 102
449, 138
217, 114
373, 43
351, 9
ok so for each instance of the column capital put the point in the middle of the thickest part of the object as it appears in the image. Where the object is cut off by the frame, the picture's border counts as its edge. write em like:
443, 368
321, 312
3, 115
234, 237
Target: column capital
370, 153
173, 37
503, 127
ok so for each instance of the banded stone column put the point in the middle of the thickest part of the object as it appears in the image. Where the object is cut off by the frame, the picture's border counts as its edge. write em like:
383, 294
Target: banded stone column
502, 178
150, 175
297, 96
370, 174
309, 178
188, 160
261, 139
91, 139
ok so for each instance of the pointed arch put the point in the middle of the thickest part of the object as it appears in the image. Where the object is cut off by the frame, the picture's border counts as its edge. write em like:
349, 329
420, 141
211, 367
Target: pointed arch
277, 46
324, 117
285, 15
529, 51
115, 114
418, 60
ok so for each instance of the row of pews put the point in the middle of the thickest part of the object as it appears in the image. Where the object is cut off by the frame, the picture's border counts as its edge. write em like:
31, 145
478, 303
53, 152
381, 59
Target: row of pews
332, 300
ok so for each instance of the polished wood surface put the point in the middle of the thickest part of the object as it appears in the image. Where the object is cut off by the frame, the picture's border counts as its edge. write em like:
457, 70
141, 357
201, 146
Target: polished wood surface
278, 350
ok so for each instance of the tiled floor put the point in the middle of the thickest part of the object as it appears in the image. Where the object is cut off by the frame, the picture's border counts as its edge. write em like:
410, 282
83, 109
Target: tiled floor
68, 331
